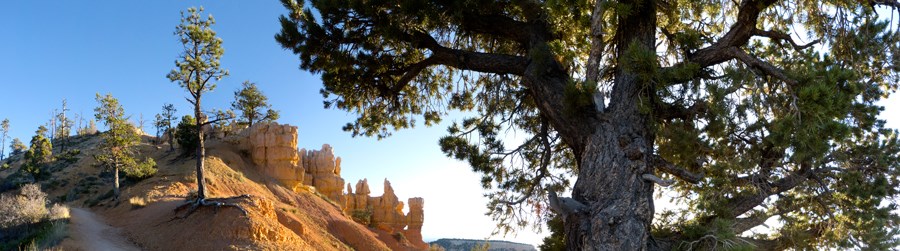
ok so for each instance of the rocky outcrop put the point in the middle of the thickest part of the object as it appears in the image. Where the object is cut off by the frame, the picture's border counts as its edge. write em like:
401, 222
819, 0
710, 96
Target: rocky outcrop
324, 172
415, 218
272, 148
358, 200
387, 210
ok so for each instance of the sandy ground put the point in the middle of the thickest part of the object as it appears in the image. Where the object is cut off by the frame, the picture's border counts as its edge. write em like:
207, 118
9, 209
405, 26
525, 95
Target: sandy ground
88, 231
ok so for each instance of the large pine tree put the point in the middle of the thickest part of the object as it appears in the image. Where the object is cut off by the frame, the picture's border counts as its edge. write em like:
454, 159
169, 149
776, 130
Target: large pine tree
760, 110
197, 70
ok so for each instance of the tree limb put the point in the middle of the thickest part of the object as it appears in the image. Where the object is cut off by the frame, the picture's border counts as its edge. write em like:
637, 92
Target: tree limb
743, 224
890, 3
674, 111
659, 181
683, 174
738, 35
469, 60
741, 204
759, 64
597, 45
543, 169
776, 35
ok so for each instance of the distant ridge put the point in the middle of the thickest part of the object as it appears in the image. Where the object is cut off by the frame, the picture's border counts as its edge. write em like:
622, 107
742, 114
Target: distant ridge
468, 244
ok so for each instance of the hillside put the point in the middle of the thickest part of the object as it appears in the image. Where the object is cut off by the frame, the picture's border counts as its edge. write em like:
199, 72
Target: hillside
280, 215
468, 244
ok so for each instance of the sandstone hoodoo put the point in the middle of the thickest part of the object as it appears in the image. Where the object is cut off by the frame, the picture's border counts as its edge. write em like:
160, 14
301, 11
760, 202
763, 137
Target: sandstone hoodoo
324, 172
273, 148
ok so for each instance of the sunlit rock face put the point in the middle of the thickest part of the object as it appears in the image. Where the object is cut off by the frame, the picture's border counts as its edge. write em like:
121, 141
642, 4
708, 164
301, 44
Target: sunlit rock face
415, 218
324, 172
273, 149
387, 211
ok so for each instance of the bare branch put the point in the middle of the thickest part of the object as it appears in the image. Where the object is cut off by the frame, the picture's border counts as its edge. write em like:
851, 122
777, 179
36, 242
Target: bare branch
597, 45
890, 3
657, 180
776, 35
683, 174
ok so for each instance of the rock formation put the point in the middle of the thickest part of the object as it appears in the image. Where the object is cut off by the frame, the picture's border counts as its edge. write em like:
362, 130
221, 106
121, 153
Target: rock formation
358, 200
273, 148
324, 172
415, 218
387, 210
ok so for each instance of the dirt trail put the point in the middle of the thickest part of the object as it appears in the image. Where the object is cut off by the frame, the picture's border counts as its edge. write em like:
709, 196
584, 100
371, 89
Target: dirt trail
87, 231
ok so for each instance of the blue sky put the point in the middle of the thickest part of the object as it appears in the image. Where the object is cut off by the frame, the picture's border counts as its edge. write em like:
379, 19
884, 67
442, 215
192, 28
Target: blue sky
54, 50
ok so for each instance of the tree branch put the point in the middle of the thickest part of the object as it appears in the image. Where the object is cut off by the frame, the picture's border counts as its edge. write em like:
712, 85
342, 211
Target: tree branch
890, 3
469, 60
216, 120
776, 35
543, 169
737, 36
743, 224
597, 46
466, 60
760, 65
675, 111
496, 25
683, 174
741, 204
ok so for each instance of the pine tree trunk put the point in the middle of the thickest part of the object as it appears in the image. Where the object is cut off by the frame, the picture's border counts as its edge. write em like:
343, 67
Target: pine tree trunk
201, 152
171, 133
116, 183
618, 153
620, 202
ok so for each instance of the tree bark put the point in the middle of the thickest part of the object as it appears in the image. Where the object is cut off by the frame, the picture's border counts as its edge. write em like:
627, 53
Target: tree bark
201, 151
618, 153
116, 183
171, 133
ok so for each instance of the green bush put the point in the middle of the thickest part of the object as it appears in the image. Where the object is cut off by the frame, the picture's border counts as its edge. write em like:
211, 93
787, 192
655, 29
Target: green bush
142, 170
400, 237
362, 216
70, 156
186, 135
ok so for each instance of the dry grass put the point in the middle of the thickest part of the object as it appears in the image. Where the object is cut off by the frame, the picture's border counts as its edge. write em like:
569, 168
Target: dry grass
59, 212
29, 206
137, 202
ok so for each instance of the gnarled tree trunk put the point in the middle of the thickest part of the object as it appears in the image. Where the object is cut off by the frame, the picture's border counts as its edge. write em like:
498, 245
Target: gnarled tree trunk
618, 153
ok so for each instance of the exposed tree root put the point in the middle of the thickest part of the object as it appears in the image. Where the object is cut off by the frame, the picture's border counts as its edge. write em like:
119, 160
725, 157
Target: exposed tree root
216, 203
